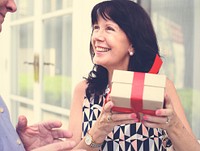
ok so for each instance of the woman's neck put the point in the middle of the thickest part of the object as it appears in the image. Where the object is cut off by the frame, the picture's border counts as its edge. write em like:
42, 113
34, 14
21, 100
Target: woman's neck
110, 73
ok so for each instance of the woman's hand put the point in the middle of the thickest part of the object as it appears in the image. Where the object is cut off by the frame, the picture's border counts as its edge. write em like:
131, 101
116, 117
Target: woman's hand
165, 118
108, 120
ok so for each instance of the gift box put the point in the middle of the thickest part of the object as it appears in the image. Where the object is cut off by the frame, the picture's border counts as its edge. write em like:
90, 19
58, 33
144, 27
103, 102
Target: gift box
137, 92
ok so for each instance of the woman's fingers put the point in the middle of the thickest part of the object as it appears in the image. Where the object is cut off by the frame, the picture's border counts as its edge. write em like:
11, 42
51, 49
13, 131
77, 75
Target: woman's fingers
164, 118
116, 116
124, 117
108, 107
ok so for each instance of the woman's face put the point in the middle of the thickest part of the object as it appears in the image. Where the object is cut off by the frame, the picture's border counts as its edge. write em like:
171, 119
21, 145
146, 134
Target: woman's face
6, 6
111, 45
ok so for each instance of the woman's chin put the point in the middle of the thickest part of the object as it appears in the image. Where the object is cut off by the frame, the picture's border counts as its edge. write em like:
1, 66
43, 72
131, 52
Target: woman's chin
96, 61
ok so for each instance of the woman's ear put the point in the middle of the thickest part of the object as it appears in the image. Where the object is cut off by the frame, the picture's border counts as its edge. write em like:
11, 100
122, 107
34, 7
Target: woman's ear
131, 50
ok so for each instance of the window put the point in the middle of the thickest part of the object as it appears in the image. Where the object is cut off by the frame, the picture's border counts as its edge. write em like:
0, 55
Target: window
41, 60
176, 24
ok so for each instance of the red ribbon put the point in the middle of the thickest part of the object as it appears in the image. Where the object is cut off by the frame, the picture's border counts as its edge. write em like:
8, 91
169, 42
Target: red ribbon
136, 98
156, 65
137, 91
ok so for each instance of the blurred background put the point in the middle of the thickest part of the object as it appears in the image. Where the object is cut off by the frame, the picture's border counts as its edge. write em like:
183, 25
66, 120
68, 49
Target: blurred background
45, 53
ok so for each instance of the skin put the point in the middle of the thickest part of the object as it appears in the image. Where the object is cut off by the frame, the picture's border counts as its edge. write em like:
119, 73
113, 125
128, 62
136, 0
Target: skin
109, 41
102, 127
112, 47
42, 136
174, 128
5, 7
178, 129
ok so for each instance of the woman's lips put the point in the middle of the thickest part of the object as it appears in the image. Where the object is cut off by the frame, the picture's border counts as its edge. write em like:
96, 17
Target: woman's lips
101, 49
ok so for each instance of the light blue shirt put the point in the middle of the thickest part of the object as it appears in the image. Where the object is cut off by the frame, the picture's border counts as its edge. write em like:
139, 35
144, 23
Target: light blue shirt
9, 139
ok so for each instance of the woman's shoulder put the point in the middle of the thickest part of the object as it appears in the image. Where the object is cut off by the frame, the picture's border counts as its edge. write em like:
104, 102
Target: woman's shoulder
172, 92
79, 93
170, 84
81, 87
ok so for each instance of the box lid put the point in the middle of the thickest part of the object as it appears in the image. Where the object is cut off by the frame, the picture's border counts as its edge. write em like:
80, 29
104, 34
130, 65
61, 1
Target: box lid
122, 76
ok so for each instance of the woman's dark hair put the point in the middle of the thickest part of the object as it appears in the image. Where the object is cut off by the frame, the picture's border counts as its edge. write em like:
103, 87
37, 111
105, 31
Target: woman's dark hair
137, 25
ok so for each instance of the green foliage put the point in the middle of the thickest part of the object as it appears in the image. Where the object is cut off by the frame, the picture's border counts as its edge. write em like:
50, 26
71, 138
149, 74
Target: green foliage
25, 85
186, 100
188, 96
56, 89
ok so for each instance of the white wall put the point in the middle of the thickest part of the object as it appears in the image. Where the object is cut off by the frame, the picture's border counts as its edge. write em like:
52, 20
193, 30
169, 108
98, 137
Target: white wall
81, 37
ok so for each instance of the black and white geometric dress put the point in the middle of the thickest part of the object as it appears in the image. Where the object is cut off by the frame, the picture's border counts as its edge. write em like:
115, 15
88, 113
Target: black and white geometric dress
129, 137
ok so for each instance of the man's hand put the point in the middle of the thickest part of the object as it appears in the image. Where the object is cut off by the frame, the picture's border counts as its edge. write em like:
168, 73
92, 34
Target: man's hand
59, 146
40, 134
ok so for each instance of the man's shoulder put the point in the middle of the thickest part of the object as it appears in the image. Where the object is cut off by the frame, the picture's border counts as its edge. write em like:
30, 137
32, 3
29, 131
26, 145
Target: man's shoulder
2, 103
9, 139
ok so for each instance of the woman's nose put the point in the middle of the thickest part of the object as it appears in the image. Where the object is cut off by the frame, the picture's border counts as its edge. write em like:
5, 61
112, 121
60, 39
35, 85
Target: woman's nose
98, 35
11, 6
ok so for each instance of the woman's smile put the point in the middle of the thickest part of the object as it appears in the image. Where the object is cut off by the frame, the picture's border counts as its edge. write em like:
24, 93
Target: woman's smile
102, 49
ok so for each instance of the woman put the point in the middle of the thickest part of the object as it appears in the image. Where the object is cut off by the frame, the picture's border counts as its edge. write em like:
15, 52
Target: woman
122, 38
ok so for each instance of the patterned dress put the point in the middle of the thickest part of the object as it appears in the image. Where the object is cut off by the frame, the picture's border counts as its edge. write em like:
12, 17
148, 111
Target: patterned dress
129, 137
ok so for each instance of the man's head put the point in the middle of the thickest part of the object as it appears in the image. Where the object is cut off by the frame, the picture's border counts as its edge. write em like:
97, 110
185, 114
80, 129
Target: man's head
6, 6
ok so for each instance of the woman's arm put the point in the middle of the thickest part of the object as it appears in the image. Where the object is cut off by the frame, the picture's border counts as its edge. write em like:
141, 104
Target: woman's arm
103, 125
173, 120
180, 131
76, 117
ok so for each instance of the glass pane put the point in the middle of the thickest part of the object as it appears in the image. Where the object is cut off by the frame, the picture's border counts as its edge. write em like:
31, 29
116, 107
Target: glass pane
24, 9
22, 57
175, 23
57, 61
18, 108
53, 116
53, 5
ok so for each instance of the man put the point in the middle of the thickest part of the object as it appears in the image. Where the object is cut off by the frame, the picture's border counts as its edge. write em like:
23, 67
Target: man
38, 137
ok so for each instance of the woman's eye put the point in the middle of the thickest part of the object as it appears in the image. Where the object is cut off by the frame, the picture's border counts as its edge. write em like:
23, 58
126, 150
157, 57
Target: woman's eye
95, 27
110, 28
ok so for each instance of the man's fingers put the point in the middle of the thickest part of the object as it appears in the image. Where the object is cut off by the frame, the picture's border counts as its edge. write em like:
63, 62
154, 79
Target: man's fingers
22, 123
61, 133
58, 146
51, 124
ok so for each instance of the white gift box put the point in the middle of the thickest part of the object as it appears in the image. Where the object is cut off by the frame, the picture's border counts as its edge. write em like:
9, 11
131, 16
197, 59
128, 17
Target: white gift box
137, 91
